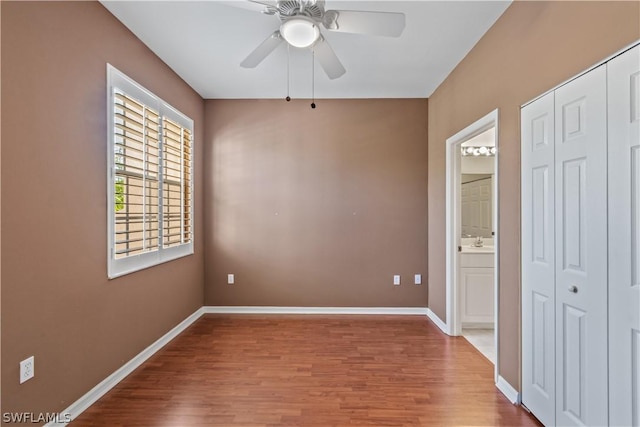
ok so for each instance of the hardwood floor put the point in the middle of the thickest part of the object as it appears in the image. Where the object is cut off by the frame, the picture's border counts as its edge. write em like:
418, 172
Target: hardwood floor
316, 371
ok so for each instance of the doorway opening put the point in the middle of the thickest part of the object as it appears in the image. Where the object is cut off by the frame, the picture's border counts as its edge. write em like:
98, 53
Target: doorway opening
471, 229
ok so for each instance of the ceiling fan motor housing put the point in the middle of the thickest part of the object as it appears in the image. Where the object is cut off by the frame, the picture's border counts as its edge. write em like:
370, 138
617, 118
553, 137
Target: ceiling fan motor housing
312, 8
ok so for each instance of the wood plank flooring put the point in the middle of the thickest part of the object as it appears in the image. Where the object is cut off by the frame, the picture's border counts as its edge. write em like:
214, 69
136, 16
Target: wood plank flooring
315, 371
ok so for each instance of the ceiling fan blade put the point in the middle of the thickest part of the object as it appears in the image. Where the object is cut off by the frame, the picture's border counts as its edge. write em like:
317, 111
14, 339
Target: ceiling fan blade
389, 24
269, 3
328, 59
262, 51
264, 6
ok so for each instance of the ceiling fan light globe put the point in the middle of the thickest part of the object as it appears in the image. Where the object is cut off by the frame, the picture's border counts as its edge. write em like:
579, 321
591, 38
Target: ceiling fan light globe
300, 32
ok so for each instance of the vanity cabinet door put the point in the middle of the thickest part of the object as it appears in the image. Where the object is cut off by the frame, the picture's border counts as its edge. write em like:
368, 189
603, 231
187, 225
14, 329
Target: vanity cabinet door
477, 295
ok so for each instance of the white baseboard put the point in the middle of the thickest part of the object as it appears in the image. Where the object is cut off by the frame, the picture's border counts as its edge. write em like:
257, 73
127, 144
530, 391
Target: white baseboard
80, 405
422, 311
439, 323
506, 389
478, 325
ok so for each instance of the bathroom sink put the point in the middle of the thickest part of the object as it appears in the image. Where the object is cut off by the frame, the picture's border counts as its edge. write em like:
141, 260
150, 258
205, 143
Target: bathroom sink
481, 249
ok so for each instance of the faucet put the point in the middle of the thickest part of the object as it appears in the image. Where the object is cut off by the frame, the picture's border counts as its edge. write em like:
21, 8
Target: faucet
478, 242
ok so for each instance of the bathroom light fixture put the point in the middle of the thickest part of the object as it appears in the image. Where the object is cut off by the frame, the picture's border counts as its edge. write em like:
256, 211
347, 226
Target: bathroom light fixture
300, 31
478, 151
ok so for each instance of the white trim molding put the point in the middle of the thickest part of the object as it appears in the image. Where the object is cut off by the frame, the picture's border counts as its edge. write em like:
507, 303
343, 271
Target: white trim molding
505, 388
452, 212
406, 311
438, 322
92, 396
119, 83
453, 226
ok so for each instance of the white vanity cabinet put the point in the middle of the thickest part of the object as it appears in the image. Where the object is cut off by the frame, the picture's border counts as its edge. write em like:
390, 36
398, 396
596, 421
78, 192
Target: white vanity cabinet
476, 289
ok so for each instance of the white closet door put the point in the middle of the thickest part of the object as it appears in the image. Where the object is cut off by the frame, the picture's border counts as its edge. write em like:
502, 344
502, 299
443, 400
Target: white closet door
538, 259
581, 250
624, 238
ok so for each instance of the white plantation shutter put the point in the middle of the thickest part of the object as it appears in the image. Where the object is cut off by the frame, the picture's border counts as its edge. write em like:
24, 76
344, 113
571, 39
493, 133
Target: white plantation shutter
136, 159
150, 178
176, 183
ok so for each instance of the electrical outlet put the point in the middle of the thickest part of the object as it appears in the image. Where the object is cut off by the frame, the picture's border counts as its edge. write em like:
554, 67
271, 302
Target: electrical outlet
27, 369
396, 279
230, 279
417, 279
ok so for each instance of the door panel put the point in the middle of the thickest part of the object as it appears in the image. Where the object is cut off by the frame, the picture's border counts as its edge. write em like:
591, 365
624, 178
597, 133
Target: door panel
574, 396
632, 407
485, 206
574, 214
624, 238
581, 250
540, 313
474, 207
465, 210
538, 259
540, 215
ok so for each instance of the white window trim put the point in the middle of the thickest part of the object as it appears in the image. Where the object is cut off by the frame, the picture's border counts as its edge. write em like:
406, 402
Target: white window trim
120, 267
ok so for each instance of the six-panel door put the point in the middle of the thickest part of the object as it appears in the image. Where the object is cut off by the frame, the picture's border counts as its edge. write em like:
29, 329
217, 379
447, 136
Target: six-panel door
624, 238
538, 259
572, 200
581, 250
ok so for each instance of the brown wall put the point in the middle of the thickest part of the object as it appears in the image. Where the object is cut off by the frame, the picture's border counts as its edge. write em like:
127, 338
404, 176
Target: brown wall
316, 207
0, 205
57, 303
533, 47
347, 181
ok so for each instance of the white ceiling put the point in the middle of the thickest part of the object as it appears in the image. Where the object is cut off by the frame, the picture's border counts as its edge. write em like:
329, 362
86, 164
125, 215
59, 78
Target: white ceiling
205, 41
484, 139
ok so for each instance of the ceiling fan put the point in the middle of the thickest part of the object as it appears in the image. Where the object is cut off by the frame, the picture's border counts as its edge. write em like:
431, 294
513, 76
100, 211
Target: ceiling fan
301, 21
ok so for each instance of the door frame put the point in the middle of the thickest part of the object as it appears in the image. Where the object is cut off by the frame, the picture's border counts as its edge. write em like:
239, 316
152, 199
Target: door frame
453, 226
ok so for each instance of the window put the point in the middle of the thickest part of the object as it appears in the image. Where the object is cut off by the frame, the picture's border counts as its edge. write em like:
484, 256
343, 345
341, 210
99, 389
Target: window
150, 185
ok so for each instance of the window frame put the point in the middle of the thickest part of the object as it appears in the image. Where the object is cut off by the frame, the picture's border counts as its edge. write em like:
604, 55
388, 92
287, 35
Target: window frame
117, 267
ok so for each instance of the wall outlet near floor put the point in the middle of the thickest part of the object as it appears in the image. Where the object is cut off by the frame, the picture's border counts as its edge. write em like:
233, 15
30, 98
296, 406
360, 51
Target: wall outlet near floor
27, 369
396, 279
417, 279
231, 279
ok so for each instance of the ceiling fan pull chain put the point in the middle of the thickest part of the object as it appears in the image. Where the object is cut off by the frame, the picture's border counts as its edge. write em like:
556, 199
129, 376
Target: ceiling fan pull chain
313, 78
288, 98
